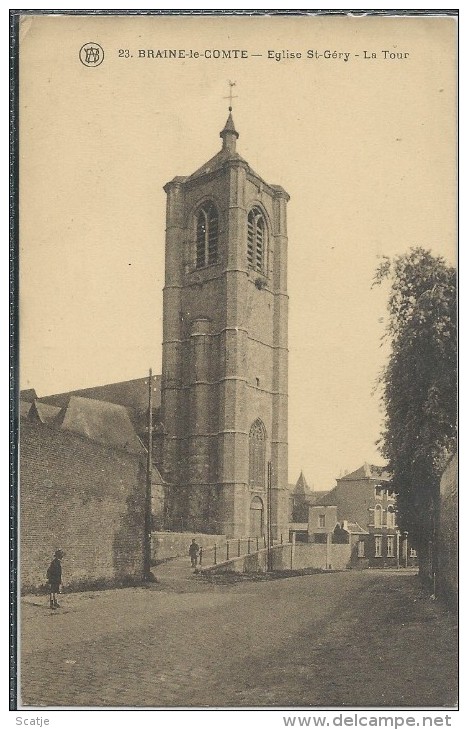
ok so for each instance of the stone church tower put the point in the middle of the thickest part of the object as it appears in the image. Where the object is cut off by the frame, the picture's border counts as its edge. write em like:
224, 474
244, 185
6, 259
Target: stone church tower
225, 348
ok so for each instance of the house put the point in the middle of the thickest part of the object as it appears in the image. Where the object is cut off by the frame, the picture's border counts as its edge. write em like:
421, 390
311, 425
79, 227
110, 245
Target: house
361, 509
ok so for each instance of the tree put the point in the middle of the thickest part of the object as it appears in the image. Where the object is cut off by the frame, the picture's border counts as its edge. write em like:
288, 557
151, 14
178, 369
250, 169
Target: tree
419, 388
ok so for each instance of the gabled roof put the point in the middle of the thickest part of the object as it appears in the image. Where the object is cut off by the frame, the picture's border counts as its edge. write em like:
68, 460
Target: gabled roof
25, 407
44, 412
129, 393
106, 423
367, 471
324, 499
28, 395
355, 529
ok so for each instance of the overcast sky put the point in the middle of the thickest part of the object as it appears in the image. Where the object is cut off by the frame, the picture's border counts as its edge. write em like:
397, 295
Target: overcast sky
365, 148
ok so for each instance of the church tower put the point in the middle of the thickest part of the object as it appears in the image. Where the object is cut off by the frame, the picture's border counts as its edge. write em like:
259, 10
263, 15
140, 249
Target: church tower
225, 348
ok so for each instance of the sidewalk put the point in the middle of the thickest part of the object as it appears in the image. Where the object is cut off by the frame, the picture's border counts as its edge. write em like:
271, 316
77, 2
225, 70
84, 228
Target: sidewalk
176, 575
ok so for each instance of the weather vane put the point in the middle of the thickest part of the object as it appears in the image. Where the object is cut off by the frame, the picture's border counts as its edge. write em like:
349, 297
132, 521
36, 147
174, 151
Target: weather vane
231, 96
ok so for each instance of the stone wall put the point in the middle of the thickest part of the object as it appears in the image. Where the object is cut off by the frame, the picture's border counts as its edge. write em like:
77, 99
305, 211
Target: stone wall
166, 545
255, 562
85, 498
316, 555
447, 580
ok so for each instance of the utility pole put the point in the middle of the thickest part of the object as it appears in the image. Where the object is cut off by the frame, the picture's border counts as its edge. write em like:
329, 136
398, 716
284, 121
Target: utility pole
149, 475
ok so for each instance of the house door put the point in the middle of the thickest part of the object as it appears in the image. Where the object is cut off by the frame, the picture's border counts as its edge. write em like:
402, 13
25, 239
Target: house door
256, 517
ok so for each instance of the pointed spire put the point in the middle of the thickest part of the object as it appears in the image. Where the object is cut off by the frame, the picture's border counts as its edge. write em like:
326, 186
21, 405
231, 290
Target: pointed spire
229, 134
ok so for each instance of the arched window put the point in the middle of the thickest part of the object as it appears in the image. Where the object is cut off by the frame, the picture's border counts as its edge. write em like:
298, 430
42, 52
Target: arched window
391, 516
207, 236
257, 455
256, 240
378, 516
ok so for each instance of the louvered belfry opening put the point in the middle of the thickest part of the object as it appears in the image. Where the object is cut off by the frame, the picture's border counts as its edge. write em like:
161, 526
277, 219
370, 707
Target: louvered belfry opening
256, 240
207, 236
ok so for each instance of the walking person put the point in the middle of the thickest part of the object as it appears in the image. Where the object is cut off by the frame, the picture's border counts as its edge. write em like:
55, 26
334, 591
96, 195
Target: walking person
54, 578
194, 551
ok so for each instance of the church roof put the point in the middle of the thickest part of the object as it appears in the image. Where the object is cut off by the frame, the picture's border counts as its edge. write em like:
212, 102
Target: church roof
367, 471
229, 127
301, 486
28, 395
44, 412
132, 394
216, 163
106, 423
25, 407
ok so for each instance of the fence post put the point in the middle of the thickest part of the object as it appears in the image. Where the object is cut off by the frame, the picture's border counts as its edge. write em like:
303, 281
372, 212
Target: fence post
214, 554
264, 540
257, 544
238, 548
281, 538
227, 549
248, 546
200, 557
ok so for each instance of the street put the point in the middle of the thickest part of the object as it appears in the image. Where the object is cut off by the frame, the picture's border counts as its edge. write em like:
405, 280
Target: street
356, 639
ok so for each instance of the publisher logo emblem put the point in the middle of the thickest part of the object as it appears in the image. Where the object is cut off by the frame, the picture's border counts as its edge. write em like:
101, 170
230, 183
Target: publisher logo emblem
91, 54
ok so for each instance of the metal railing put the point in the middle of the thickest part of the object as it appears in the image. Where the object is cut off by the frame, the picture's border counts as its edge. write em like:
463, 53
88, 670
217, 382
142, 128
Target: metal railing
234, 548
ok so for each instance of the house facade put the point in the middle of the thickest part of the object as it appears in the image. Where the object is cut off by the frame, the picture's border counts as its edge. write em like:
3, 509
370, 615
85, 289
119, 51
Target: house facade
362, 509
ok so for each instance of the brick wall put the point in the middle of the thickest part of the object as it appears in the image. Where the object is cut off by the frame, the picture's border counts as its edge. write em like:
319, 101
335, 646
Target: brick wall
448, 533
87, 499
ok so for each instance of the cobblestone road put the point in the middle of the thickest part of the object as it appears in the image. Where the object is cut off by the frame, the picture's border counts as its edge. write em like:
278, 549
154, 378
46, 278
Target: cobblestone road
341, 639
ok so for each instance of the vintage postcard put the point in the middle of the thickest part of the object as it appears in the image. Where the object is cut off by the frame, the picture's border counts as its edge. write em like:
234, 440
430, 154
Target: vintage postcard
236, 249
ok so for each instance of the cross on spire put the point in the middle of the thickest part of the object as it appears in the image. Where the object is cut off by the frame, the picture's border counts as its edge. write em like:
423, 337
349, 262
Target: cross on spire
231, 96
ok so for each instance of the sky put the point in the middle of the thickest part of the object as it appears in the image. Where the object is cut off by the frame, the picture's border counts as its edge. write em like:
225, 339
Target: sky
366, 148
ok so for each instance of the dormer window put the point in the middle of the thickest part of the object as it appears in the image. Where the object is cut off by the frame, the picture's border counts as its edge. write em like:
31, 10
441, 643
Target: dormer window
256, 240
207, 236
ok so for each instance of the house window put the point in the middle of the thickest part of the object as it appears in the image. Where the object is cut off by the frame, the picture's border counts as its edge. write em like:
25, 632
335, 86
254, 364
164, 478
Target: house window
391, 516
378, 516
360, 549
320, 537
378, 491
257, 455
378, 546
321, 522
256, 239
207, 236
413, 553
390, 546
